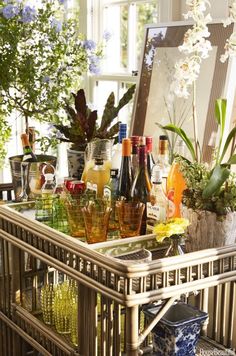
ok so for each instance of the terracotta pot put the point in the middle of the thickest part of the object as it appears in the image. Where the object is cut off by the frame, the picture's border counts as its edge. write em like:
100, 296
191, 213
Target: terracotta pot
208, 230
75, 163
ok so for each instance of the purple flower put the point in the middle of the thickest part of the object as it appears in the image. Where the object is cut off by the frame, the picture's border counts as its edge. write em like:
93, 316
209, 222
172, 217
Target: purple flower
94, 68
28, 14
10, 11
107, 35
61, 2
57, 25
89, 44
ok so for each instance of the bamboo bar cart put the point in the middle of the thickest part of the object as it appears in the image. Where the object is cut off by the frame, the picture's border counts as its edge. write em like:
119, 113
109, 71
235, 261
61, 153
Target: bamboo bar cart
111, 294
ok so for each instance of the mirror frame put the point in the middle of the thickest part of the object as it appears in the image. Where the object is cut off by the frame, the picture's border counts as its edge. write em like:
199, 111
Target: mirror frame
174, 34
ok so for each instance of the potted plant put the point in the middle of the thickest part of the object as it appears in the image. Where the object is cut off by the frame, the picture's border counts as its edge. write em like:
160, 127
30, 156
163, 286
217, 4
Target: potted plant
84, 127
210, 197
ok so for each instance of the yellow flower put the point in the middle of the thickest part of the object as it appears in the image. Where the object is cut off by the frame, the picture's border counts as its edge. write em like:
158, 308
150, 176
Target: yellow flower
174, 226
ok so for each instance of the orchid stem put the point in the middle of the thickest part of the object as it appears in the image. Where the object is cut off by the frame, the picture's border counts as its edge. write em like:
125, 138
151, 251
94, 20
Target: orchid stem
195, 130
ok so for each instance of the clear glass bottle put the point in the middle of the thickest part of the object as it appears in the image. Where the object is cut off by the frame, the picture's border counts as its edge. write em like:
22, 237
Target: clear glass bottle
97, 177
162, 162
141, 187
150, 159
117, 153
111, 194
49, 185
157, 208
125, 177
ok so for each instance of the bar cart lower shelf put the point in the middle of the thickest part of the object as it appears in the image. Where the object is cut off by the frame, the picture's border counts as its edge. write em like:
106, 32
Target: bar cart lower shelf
111, 293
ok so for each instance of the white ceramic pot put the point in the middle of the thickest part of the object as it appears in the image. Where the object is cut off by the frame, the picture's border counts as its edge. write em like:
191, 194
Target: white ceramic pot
75, 163
208, 230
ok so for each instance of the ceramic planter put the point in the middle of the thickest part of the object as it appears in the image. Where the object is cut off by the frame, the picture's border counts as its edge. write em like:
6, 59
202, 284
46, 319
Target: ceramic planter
207, 230
75, 163
177, 332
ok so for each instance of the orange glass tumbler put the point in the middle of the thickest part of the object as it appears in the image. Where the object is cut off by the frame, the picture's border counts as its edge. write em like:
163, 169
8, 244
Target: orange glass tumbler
130, 217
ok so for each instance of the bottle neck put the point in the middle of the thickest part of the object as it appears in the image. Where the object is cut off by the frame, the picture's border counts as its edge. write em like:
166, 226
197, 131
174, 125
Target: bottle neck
142, 157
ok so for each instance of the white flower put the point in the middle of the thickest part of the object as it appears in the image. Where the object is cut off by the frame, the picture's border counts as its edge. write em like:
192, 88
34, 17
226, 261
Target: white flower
230, 46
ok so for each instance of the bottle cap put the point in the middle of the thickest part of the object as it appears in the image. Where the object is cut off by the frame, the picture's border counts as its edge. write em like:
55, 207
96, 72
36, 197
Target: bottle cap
126, 147
49, 176
149, 143
134, 140
156, 175
142, 141
163, 144
122, 132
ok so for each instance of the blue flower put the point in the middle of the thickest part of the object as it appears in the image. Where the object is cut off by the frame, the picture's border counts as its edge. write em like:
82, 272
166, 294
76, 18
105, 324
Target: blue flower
61, 2
10, 11
107, 35
46, 79
89, 44
28, 14
57, 25
94, 68
94, 59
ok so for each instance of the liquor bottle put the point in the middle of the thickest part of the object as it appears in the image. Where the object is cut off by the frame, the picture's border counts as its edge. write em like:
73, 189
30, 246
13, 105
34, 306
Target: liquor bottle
162, 162
97, 177
116, 157
134, 154
111, 194
157, 208
141, 187
150, 159
125, 177
28, 154
175, 186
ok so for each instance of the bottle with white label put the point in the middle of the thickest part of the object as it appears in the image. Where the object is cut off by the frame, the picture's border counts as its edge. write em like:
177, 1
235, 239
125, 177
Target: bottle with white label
158, 206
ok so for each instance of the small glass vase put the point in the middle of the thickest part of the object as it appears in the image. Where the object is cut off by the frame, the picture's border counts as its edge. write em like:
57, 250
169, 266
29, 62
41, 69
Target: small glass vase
175, 248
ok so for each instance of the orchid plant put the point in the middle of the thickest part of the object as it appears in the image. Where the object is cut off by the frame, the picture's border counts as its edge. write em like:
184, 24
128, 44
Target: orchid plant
42, 57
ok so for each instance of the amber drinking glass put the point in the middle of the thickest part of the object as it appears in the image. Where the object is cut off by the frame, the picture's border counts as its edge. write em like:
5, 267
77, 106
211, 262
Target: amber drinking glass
96, 217
75, 217
130, 217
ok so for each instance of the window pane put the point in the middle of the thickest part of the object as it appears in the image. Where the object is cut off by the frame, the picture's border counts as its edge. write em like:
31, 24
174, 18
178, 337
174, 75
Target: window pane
147, 13
116, 22
102, 90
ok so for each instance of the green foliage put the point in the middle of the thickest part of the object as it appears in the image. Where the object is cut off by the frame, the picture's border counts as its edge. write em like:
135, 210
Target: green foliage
83, 126
5, 131
197, 177
210, 189
41, 60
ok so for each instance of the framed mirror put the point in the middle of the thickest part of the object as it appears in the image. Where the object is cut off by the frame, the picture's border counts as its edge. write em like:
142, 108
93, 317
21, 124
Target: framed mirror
156, 105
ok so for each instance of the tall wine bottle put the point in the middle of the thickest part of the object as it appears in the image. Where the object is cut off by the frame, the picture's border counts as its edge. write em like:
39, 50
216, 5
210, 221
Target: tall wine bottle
116, 156
125, 178
28, 154
142, 186
150, 159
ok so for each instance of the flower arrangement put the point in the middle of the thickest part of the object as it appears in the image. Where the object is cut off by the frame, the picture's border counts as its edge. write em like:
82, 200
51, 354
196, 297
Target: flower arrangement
176, 226
42, 58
